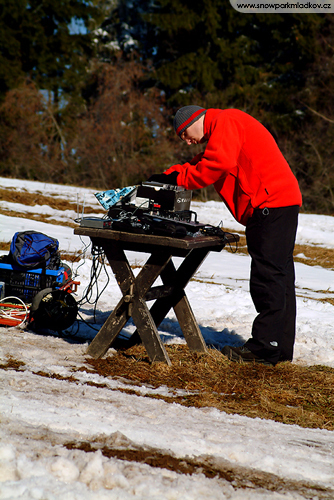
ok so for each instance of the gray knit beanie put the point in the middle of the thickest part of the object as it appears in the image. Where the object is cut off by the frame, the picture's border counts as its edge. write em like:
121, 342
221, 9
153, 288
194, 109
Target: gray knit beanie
186, 116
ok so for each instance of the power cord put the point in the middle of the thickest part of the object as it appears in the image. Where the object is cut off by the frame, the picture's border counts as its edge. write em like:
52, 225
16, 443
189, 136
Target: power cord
210, 230
98, 265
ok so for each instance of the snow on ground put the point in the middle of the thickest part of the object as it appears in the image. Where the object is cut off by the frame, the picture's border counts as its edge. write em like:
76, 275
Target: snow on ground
40, 414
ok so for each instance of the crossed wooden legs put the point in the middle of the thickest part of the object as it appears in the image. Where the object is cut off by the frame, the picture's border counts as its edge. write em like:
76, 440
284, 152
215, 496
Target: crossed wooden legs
138, 290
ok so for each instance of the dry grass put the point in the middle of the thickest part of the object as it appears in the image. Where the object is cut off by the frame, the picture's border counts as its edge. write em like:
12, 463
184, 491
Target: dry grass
286, 393
118, 446
31, 199
314, 255
239, 476
306, 254
38, 218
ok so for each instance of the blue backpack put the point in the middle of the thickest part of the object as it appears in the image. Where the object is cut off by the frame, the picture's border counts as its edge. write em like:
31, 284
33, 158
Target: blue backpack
32, 250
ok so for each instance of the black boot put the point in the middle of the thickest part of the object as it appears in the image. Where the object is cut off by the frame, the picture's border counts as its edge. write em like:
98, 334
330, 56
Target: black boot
243, 355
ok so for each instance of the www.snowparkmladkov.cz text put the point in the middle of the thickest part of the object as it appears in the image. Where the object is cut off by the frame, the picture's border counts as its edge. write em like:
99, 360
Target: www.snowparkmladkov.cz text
283, 7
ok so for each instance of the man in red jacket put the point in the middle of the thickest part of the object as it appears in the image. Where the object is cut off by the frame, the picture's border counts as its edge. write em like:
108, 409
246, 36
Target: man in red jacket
243, 162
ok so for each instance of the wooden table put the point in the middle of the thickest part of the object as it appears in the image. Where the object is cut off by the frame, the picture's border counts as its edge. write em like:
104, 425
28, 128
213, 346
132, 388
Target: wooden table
138, 290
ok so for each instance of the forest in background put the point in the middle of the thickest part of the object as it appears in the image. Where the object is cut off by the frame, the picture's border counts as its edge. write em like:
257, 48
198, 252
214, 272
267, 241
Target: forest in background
88, 89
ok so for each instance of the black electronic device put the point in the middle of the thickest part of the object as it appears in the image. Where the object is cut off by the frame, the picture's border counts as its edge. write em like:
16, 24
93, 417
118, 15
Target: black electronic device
165, 197
151, 208
96, 222
155, 199
156, 208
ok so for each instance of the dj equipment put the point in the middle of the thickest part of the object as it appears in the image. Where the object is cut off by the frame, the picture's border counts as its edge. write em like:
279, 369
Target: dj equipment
96, 222
163, 197
152, 208
157, 208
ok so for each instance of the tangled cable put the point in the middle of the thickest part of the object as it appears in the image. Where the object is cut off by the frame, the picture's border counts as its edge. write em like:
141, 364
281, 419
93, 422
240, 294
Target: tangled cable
98, 265
13, 314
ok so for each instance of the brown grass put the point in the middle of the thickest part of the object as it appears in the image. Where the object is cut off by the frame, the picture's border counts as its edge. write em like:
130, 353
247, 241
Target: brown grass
239, 476
286, 393
39, 218
37, 198
118, 446
31, 199
314, 255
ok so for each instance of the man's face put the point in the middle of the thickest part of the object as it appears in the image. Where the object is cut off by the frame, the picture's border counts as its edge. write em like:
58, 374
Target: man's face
195, 133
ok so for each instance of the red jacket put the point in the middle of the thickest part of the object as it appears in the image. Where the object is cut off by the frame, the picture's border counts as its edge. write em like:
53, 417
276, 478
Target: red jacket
243, 162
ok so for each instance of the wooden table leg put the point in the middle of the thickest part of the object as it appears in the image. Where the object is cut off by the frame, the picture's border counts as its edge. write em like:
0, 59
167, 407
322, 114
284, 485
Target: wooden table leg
178, 300
109, 331
134, 290
189, 326
148, 332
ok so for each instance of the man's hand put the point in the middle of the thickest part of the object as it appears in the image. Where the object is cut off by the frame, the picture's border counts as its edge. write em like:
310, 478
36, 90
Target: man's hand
165, 178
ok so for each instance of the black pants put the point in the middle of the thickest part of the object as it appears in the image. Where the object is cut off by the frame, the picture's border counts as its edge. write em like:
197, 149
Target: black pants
271, 235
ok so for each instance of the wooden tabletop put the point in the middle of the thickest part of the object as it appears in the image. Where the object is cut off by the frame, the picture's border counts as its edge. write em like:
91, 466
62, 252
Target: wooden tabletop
150, 242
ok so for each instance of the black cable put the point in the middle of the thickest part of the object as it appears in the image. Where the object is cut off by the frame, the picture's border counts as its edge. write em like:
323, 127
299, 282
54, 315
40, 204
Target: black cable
236, 239
82, 261
86, 323
210, 230
98, 265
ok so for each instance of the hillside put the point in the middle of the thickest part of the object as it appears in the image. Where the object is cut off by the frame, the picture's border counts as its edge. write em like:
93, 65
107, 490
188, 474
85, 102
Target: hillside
203, 428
